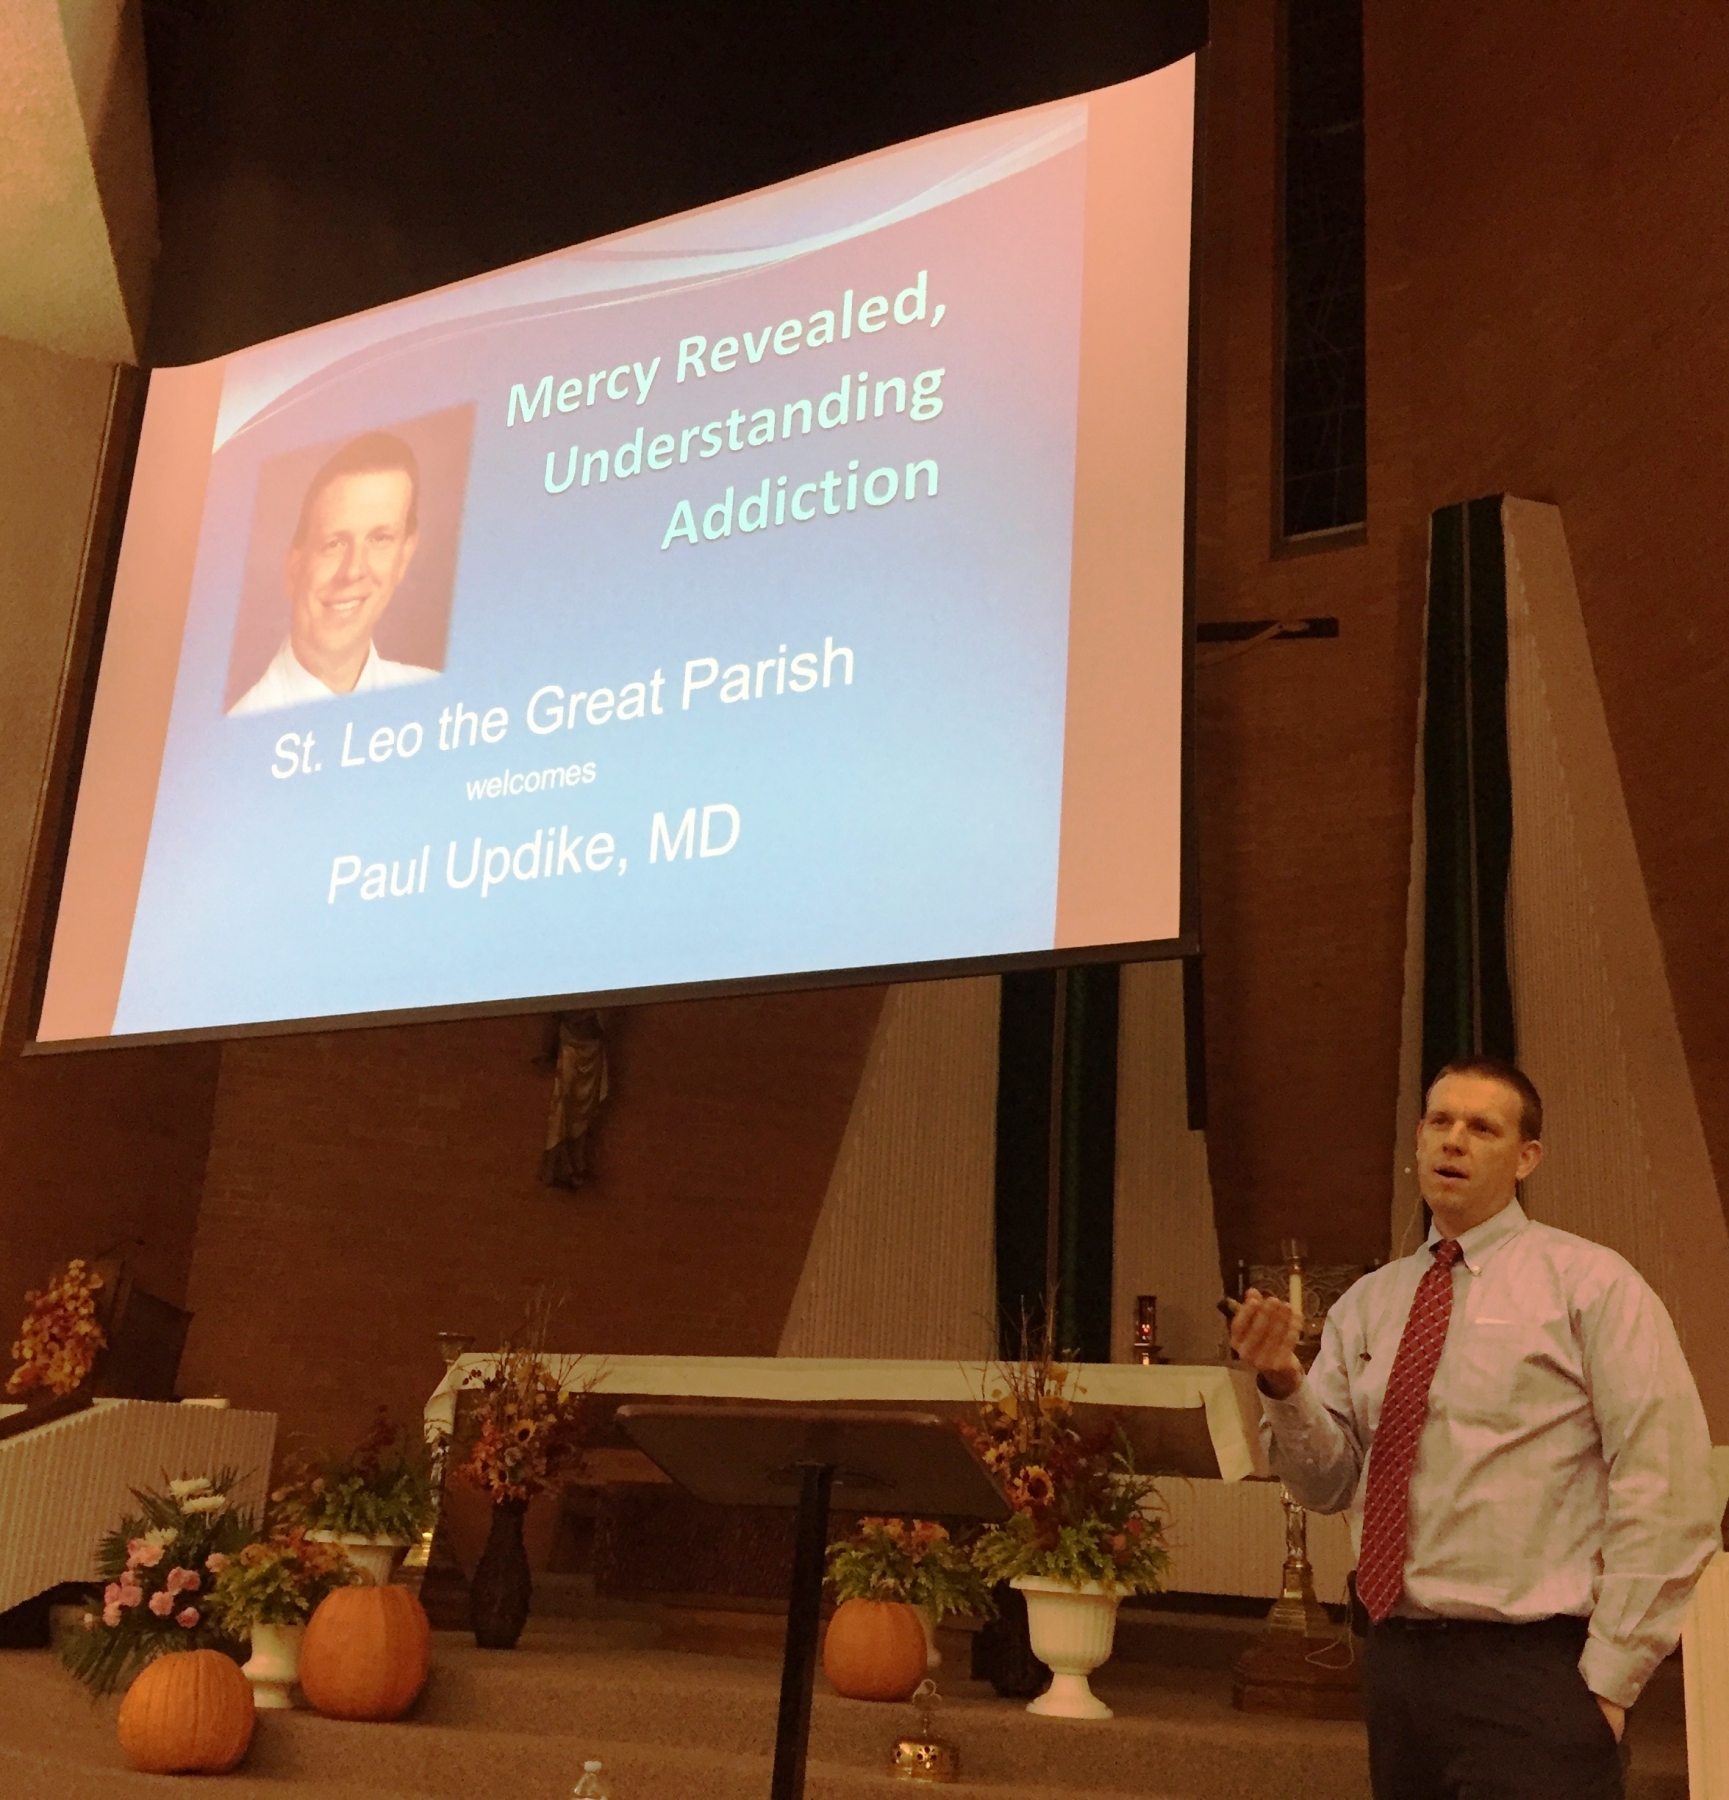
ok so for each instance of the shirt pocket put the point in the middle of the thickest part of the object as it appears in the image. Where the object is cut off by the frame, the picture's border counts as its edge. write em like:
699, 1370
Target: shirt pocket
1504, 1374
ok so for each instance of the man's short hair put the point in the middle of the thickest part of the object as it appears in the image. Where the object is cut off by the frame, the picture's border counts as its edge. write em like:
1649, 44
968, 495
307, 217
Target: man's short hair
1493, 1068
376, 452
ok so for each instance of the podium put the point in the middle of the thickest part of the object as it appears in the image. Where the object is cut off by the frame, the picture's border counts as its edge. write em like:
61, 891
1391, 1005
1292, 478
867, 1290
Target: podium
813, 1458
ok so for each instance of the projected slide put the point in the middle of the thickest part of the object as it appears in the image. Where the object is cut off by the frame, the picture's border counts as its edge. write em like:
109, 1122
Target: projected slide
789, 588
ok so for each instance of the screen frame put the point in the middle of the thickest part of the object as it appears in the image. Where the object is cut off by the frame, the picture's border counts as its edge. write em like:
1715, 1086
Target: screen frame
111, 498
92, 613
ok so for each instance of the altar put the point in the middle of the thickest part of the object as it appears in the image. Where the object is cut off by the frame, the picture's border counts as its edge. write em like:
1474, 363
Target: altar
1195, 1424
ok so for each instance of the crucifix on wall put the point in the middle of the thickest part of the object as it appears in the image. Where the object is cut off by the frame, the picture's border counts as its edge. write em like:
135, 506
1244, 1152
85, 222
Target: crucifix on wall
579, 1088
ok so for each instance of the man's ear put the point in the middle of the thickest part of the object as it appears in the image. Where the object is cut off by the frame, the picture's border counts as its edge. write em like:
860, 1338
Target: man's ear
1530, 1154
410, 544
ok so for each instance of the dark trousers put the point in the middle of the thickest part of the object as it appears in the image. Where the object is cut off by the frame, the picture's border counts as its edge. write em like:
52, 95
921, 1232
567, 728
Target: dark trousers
1465, 1709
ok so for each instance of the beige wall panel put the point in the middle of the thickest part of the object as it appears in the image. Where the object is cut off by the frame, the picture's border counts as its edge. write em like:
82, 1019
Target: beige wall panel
1166, 1241
1228, 1537
902, 1262
1627, 1162
105, 48
64, 280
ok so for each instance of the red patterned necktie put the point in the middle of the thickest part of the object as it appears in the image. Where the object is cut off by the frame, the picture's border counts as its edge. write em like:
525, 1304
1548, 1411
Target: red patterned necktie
1381, 1562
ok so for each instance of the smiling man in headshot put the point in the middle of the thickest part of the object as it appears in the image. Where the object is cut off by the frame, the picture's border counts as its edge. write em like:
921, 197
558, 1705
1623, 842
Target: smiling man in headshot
355, 539
1509, 1419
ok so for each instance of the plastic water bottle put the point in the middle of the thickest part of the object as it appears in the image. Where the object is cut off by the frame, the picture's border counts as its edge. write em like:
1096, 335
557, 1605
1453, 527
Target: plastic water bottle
591, 1785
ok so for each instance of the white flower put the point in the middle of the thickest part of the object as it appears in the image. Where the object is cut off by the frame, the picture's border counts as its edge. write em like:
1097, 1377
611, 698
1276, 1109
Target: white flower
163, 1535
205, 1503
198, 1484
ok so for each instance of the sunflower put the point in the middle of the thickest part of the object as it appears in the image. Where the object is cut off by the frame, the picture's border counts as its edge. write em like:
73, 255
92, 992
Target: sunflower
1037, 1488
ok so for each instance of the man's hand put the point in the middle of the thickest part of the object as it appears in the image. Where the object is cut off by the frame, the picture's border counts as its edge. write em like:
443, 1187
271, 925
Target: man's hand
1264, 1334
1616, 1715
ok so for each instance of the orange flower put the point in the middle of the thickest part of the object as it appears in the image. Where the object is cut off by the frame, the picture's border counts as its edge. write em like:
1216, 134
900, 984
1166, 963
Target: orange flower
59, 1338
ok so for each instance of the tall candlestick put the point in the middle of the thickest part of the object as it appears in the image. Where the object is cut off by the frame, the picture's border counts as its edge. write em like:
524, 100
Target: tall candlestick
1297, 1295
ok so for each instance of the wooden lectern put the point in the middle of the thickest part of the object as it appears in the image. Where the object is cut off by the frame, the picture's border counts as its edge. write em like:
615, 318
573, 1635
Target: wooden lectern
812, 1458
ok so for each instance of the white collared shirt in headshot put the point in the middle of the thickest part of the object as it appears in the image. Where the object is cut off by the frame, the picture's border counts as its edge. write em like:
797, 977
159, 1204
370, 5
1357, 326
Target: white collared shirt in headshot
286, 683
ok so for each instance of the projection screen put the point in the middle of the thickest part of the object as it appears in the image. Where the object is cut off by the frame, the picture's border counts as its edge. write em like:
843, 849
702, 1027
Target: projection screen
784, 591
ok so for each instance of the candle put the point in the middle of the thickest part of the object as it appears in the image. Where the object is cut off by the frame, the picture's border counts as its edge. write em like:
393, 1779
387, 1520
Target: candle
1297, 1296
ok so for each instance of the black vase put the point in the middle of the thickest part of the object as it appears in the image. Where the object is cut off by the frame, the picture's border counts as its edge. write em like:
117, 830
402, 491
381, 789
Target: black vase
1003, 1649
499, 1593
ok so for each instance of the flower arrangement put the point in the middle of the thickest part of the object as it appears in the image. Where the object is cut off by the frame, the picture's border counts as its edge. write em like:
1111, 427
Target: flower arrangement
59, 1338
1082, 1511
276, 1580
912, 1560
381, 1489
158, 1566
531, 1418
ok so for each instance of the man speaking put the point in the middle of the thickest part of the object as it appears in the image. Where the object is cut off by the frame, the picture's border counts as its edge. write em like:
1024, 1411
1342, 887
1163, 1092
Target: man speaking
1511, 1422
351, 548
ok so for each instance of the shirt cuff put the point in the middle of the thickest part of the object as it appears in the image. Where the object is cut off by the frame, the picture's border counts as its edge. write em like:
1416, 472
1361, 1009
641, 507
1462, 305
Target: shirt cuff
1618, 1675
1297, 1414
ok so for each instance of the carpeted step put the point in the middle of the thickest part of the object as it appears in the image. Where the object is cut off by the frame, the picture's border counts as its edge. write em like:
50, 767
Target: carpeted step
519, 1724
28, 1776
1178, 1735
447, 1763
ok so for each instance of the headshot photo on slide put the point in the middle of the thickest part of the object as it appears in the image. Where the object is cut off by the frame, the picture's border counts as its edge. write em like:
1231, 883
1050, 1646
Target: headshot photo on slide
351, 564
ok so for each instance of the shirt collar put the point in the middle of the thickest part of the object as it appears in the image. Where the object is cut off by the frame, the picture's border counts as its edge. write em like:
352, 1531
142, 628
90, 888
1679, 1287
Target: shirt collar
293, 666
1481, 1241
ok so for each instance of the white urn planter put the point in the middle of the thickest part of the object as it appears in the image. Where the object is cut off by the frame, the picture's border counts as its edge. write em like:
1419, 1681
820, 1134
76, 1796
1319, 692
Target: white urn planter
375, 1557
1073, 1629
274, 1665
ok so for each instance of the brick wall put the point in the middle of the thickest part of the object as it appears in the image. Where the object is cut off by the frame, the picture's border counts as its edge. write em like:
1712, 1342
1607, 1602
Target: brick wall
98, 1150
1547, 281
1563, 277
1304, 751
369, 1189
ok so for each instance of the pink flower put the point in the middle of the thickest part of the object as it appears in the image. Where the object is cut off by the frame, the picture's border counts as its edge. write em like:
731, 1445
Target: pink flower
162, 1604
131, 1594
111, 1594
216, 1562
140, 1555
187, 1617
182, 1581
111, 1614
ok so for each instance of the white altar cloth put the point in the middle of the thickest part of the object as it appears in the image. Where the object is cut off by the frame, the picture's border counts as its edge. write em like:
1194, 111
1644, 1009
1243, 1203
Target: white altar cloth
1225, 1395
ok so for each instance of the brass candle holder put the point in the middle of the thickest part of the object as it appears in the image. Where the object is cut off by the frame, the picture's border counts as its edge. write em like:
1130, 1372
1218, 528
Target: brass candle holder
1296, 1609
925, 1756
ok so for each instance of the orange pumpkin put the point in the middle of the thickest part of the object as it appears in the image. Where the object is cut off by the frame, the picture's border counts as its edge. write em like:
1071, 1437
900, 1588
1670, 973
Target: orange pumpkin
366, 1653
874, 1650
189, 1712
